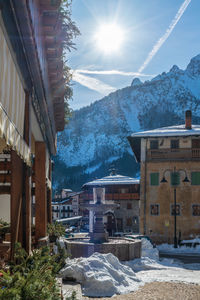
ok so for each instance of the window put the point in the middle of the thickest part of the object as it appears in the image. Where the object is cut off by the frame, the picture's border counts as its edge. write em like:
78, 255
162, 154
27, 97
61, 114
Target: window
196, 209
124, 191
178, 210
154, 144
174, 144
135, 220
195, 178
119, 224
175, 178
128, 222
154, 209
129, 205
196, 143
154, 179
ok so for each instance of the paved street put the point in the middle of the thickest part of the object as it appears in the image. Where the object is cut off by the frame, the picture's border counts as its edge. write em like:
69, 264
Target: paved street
187, 258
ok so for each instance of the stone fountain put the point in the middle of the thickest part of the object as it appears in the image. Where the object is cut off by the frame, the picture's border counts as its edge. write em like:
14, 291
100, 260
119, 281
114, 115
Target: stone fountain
98, 241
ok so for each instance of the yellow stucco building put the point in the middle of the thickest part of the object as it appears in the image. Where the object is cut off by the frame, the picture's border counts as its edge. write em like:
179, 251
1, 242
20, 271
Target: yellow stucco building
170, 177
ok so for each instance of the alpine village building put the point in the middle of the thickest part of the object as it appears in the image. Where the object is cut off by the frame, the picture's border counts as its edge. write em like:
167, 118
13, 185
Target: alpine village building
123, 191
170, 179
31, 113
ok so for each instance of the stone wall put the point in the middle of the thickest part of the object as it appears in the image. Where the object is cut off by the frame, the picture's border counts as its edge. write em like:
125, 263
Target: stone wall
124, 249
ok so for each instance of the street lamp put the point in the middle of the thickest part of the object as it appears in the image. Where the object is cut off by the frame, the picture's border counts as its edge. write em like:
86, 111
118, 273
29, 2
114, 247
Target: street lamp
164, 180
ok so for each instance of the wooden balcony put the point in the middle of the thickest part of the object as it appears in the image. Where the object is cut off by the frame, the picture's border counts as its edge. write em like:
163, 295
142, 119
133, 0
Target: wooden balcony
173, 154
118, 196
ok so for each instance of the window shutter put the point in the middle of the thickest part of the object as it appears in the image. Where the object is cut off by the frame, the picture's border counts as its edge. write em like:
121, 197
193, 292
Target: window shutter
154, 178
195, 178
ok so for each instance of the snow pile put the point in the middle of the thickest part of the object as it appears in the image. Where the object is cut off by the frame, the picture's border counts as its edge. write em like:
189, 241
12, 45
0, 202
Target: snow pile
144, 263
101, 275
149, 258
148, 250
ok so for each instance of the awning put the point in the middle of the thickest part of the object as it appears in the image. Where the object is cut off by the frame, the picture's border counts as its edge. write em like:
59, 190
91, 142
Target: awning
11, 136
12, 103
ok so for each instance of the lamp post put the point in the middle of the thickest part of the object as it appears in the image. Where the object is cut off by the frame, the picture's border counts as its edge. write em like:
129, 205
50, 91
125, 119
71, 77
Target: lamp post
174, 171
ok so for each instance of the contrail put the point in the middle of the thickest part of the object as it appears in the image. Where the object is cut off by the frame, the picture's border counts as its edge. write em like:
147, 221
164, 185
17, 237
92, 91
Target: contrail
96, 84
169, 30
93, 83
112, 72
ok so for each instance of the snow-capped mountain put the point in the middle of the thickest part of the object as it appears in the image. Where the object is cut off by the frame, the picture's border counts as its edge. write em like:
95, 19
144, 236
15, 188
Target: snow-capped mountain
95, 138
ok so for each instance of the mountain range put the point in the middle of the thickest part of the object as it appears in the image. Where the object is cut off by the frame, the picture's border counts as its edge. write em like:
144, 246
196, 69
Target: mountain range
95, 139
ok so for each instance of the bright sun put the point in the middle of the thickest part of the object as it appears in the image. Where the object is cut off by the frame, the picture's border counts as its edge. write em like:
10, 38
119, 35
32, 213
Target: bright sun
109, 38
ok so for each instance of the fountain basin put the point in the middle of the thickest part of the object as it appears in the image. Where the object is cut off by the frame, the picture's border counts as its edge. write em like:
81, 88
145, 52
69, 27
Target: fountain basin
124, 249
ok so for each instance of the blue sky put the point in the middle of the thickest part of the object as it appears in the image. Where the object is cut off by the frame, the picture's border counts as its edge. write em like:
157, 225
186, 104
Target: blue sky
156, 35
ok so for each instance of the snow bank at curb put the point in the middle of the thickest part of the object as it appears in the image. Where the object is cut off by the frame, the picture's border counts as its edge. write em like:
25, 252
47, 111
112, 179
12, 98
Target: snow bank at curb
182, 249
101, 275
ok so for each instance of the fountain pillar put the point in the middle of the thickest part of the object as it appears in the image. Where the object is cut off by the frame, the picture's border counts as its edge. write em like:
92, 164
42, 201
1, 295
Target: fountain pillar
98, 234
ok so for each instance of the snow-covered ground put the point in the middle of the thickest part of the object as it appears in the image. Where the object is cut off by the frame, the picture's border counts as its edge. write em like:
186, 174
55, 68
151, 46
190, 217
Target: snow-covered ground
104, 275
182, 249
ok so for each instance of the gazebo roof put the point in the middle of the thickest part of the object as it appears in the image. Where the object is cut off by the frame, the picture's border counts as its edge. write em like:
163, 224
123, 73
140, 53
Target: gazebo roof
113, 180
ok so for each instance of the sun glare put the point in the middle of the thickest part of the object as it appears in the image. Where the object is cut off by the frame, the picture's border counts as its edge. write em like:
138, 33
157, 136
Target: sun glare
109, 38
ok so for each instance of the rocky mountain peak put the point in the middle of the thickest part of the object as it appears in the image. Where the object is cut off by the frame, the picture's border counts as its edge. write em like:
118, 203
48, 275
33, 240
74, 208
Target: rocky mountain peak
193, 68
136, 81
175, 69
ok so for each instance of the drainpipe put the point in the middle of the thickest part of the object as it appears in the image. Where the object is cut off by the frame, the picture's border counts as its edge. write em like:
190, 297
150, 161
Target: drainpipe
145, 184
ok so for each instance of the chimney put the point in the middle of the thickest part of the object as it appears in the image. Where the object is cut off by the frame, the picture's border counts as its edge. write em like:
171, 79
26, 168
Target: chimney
188, 119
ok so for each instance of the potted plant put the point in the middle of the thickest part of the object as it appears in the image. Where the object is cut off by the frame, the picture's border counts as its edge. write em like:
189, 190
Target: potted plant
55, 230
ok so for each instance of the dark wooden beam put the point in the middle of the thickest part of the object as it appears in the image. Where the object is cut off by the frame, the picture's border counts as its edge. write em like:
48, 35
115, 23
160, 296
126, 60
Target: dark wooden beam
40, 191
49, 196
5, 165
27, 175
16, 198
5, 178
4, 189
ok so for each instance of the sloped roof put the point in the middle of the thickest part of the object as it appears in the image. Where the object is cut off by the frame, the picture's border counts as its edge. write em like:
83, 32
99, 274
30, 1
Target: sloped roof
113, 180
171, 131
176, 130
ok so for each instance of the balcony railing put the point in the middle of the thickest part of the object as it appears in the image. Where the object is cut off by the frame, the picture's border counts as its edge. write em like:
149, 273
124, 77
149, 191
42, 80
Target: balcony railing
117, 196
174, 154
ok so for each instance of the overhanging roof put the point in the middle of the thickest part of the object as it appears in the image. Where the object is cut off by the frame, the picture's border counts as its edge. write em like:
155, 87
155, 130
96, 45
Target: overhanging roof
112, 180
176, 130
171, 131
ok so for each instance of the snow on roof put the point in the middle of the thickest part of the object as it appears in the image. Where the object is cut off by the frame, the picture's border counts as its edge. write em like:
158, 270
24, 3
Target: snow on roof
61, 201
69, 219
175, 130
113, 179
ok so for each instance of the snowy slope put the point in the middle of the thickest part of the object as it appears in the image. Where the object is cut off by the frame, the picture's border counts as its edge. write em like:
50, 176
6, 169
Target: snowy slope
96, 135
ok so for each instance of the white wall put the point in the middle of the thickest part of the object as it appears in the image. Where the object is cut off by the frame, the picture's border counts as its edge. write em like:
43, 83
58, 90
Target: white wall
5, 207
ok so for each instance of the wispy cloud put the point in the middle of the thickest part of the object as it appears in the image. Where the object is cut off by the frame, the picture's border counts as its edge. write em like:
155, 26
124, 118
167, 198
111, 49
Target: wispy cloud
93, 83
96, 84
169, 30
112, 72
103, 88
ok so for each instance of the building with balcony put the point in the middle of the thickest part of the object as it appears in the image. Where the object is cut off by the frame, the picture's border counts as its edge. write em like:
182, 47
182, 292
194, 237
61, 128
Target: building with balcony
168, 157
65, 204
62, 209
32, 87
124, 192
